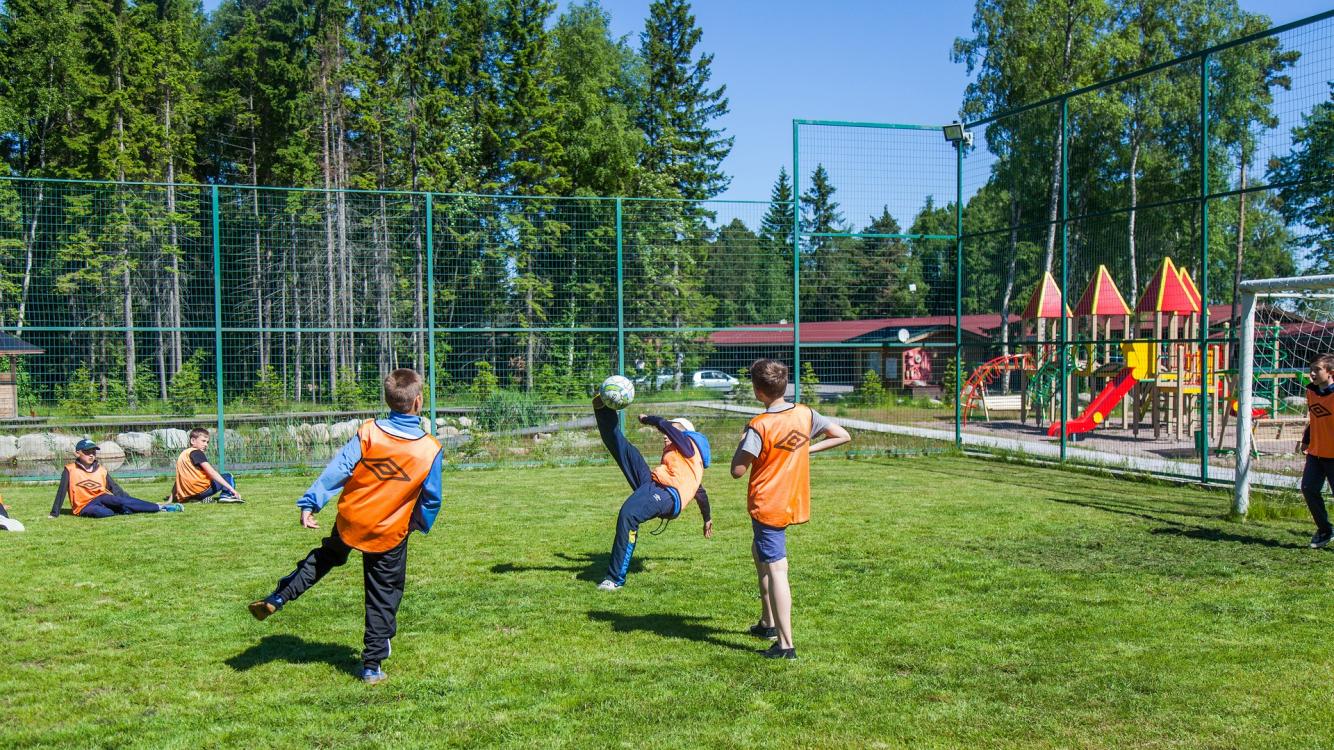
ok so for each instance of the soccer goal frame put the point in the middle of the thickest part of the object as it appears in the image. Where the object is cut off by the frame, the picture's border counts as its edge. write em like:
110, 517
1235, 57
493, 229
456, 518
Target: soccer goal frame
1293, 287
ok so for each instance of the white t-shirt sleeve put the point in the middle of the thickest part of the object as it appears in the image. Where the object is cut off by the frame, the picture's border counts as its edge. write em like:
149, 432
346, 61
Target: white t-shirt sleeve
819, 423
751, 443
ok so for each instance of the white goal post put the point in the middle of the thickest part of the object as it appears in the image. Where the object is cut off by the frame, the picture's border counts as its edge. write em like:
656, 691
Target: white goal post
1300, 287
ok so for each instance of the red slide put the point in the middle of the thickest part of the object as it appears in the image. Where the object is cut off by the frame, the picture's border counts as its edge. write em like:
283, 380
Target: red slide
1099, 408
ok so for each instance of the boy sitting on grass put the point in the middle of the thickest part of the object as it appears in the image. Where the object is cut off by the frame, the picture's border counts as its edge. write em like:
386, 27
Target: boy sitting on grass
662, 492
93, 493
196, 479
389, 474
1318, 445
776, 447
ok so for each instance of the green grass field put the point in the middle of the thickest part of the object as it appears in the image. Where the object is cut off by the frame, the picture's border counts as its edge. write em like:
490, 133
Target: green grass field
940, 602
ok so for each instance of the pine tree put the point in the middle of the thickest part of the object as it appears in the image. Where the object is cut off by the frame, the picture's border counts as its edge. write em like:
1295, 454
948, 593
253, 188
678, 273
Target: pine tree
888, 274
678, 109
776, 226
826, 270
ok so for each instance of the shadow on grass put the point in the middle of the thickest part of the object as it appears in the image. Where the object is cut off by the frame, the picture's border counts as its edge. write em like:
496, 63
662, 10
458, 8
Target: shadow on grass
1177, 528
588, 566
296, 650
668, 626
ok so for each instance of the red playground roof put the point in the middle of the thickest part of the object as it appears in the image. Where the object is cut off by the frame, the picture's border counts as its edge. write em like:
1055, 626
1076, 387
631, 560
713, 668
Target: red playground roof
1102, 297
1166, 293
1191, 289
1046, 300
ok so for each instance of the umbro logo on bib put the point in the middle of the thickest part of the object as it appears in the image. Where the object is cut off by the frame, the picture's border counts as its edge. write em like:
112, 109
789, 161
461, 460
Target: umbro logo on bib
1319, 410
792, 441
90, 485
386, 470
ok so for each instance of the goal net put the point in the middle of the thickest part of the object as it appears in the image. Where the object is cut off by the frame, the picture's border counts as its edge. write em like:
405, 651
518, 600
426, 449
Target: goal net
1285, 323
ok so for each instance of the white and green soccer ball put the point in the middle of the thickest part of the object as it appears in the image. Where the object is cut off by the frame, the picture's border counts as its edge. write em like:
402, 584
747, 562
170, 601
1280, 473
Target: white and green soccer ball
617, 392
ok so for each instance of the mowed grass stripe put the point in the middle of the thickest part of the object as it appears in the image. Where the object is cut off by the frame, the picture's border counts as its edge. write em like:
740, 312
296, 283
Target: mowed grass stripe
940, 602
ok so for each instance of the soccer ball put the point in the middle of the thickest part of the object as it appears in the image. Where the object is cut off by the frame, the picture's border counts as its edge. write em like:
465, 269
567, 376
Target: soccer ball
617, 392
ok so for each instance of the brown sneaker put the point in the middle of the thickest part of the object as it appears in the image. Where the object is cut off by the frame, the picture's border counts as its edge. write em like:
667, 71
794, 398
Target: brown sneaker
262, 609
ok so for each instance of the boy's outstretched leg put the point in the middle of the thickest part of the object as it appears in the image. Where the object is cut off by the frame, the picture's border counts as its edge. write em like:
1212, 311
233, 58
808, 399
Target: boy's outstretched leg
628, 457
125, 504
647, 502
384, 575
331, 553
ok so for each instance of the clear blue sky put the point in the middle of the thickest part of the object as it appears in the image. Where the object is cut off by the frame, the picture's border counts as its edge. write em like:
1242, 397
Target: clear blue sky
873, 60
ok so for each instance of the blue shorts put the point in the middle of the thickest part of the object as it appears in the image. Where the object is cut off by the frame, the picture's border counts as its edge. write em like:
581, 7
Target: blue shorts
770, 542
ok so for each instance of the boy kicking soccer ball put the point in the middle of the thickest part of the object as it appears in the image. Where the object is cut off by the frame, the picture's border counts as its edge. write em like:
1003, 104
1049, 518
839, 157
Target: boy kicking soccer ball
776, 448
662, 492
389, 473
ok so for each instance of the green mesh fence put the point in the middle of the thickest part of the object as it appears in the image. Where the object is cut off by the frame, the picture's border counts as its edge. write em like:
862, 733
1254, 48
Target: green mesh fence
1085, 225
1131, 186
140, 311
916, 285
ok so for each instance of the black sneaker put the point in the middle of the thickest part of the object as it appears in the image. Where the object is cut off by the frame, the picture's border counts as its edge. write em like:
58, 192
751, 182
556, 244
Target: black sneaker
1321, 538
774, 652
760, 630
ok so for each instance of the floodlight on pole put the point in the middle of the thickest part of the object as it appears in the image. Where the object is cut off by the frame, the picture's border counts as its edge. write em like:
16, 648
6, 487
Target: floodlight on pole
954, 132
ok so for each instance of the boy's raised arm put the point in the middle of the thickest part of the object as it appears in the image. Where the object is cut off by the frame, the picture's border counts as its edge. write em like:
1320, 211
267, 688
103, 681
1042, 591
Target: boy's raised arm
673, 433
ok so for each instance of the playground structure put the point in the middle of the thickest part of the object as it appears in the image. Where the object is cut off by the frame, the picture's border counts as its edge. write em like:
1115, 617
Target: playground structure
1139, 368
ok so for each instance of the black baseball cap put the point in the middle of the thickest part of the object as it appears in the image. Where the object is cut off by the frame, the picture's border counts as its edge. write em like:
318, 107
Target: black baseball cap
85, 446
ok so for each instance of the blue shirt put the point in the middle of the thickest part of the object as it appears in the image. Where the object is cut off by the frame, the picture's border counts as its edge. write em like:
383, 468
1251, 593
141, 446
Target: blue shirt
339, 470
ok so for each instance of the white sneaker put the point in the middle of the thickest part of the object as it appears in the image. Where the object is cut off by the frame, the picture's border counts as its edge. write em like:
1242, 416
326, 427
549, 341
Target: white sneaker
10, 524
608, 585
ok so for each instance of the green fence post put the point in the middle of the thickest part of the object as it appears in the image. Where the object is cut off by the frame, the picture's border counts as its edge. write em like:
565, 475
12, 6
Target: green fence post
796, 266
430, 304
620, 292
1064, 343
217, 327
1204, 268
958, 294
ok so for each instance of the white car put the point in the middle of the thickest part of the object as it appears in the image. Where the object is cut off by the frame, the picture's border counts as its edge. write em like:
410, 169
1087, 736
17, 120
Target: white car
713, 379
661, 380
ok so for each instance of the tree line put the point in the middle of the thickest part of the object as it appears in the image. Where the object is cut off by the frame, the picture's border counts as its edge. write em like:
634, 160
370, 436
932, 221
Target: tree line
515, 118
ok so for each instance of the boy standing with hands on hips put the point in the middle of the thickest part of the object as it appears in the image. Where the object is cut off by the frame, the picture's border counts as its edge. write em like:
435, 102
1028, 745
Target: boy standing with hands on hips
776, 448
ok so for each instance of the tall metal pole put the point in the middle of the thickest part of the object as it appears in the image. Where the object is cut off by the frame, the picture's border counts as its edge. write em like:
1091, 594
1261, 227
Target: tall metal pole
217, 328
1241, 496
1061, 348
430, 305
958, 294
1205, 374
796, 267
620, 291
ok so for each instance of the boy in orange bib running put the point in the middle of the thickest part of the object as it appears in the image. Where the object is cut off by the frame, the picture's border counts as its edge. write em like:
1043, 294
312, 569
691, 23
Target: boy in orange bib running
389, 474
1318, 445
776, 448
